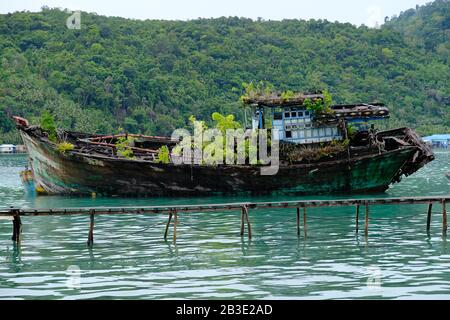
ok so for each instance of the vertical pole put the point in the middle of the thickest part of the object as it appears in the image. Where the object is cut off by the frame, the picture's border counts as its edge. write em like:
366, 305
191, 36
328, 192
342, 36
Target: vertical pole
298, 222
90, 241
357, 218
366, 227
249, 227
305, 228
17, 227
242, 221
430, 206
167, 226
444, 218
175, 221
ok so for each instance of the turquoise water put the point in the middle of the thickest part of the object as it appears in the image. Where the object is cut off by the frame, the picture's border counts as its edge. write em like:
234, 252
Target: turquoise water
210, 260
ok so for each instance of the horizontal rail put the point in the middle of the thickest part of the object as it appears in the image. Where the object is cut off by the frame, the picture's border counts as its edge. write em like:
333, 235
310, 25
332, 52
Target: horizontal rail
9, 212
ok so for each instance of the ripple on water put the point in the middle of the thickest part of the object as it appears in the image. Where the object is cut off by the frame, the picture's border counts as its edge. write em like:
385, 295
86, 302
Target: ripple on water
210, 260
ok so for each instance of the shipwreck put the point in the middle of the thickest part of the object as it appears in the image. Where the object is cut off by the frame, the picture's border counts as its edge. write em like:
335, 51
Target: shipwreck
322, 151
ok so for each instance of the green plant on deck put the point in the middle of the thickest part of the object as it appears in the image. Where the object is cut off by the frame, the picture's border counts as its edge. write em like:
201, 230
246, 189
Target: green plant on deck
315, 105
351, 131
64, 146
288, 94
163, 155
319, 105
221, 123
330, 150
327, 100
47, 124
224, 123
262, 89
123, 147
340, 144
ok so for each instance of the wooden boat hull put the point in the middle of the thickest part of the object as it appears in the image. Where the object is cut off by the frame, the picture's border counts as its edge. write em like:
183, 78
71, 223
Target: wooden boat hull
76, 173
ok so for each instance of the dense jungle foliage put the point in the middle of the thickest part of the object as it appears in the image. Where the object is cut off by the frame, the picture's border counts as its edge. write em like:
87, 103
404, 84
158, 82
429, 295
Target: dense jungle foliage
149, 76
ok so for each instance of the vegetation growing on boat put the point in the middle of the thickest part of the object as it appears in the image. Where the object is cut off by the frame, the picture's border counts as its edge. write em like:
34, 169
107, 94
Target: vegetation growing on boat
297, 153
265, 90
258, 90
286, 95
64, 146
163, 155
351, 130
47, 124
319, 105
123, 147
222, 123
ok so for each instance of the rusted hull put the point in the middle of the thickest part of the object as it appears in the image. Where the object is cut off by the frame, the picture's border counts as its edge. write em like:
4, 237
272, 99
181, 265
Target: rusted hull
77, 173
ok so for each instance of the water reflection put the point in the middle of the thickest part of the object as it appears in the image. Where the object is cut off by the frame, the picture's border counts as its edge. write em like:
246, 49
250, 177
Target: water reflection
130, 258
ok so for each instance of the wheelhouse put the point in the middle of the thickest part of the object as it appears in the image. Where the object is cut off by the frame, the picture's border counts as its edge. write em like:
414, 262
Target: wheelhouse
295, 123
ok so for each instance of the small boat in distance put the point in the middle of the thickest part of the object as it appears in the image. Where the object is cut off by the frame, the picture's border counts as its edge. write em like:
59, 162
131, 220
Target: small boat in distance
318, 155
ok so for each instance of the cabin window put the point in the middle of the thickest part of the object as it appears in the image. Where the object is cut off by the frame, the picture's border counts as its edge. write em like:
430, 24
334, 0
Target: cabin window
308, 133
306, 113
277, 116
287, 115
300, 113
288, 134
321, 132
294, 114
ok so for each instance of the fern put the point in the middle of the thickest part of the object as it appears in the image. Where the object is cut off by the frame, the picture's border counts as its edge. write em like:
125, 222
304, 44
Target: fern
64, 146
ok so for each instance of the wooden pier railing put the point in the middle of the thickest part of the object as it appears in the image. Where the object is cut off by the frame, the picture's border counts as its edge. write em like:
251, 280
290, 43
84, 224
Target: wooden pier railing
15, 214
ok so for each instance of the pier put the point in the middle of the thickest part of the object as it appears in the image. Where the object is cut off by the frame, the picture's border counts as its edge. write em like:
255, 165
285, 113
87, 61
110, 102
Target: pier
299, 207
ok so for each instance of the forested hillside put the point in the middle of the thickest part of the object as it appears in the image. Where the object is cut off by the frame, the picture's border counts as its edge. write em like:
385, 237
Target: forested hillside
149, 76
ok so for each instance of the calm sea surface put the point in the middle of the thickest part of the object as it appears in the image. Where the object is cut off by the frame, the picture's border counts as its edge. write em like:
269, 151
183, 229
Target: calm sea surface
131, 260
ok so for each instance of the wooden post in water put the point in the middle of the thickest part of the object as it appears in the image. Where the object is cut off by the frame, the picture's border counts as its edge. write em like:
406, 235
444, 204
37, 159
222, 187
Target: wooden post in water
249, 227
366, 226
444, 218
90, 241
305, 228
175, 222
298, 222
17, 226
167, 226
242, 220
357, 218
245, 219
430, 206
